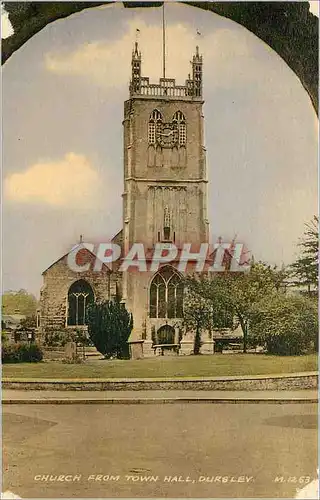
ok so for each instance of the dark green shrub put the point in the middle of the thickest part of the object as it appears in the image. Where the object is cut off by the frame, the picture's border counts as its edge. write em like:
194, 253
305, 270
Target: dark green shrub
109, 327
10, 353
21, 353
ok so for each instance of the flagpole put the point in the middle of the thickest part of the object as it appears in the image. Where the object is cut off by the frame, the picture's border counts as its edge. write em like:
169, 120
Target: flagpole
163, 42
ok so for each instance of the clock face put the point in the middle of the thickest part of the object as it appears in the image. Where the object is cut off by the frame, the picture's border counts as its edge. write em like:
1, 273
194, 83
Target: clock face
167, 135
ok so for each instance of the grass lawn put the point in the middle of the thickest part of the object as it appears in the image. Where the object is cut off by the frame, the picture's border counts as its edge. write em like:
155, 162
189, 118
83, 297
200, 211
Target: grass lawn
184, 366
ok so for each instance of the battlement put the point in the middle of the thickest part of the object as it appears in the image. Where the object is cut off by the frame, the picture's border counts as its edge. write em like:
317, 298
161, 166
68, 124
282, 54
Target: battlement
167, 88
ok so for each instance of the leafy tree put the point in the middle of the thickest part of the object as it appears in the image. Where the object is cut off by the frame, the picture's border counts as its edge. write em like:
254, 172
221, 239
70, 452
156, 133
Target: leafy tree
237, 293
304, 270
19, 302
197, 315
109, 327
286, 325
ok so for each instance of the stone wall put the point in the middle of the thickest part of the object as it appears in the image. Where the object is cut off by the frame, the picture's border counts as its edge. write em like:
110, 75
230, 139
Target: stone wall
54, 294
244, 383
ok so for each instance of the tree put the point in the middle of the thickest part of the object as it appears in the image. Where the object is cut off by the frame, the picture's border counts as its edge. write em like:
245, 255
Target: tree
286, 325
109, 327
237, 293
19, 302
304, 270
197, 316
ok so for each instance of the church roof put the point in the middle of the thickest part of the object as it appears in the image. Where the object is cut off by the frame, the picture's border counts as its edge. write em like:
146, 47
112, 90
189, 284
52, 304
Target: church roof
80, 246
118, 238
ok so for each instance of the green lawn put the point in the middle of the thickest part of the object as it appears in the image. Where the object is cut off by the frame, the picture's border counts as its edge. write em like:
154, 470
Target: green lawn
184, 366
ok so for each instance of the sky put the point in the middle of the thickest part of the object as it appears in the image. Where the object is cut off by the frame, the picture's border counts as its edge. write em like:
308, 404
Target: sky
63, 95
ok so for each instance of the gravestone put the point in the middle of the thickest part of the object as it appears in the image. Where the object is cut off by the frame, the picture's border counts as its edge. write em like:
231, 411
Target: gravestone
71, 350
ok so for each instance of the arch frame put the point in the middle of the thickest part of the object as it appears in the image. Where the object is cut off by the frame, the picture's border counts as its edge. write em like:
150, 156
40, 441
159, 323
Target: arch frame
289, 28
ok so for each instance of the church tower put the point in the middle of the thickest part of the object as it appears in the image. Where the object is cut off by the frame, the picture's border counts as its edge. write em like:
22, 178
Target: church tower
165, 182
165, 179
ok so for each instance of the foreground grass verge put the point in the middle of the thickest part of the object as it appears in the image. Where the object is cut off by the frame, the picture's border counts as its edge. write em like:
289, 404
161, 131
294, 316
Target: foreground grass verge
187, 366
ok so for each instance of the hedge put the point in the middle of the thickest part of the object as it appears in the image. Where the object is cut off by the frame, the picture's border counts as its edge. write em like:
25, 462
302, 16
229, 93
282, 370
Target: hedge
21, 353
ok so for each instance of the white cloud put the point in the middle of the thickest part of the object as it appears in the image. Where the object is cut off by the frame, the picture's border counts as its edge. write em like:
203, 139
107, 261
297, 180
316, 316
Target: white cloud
6, 27
314, 7
108, 63
71, 181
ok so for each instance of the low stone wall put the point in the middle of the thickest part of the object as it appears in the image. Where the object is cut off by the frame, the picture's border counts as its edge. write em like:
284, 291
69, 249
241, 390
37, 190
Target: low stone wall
59, 353
293, 381
53, 354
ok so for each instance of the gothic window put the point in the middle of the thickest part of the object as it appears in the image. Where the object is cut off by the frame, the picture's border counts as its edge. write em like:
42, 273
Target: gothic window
154, 122
166, 294
180, 120
80, 295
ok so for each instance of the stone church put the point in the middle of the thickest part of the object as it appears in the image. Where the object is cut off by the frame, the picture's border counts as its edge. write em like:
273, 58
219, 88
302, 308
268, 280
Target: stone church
164, 200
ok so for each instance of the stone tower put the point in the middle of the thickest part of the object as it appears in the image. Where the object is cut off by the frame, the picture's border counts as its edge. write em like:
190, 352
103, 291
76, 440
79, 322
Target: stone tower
165, 184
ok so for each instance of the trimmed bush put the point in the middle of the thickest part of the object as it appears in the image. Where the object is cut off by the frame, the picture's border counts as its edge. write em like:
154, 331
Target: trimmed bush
21, 353
109, 327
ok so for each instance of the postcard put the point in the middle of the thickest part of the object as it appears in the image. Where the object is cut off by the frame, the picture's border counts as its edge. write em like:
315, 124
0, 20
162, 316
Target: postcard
160, 249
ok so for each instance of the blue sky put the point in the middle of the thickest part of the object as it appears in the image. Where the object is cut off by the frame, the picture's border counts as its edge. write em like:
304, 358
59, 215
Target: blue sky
63, 94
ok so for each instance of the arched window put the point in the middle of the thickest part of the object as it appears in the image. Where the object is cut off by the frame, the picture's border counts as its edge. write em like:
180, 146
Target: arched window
180, 120
166, 294
79, 296
154, 122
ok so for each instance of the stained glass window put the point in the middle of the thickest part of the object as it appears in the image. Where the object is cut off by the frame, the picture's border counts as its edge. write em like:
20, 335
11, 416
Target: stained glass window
166, 294
80, 295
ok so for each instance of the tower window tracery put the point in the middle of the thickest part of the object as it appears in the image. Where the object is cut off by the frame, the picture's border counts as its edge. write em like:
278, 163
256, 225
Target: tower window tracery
155, 122
180, 120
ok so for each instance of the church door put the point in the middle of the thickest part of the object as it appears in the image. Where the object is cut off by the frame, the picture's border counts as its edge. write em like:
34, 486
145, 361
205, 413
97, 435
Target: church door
165, 335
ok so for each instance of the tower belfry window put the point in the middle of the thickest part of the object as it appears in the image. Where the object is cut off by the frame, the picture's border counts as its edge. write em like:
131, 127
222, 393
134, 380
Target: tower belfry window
154, 122
180, 120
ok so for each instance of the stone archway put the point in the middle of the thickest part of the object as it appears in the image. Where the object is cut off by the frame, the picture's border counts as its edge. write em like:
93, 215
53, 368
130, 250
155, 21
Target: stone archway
287, 27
